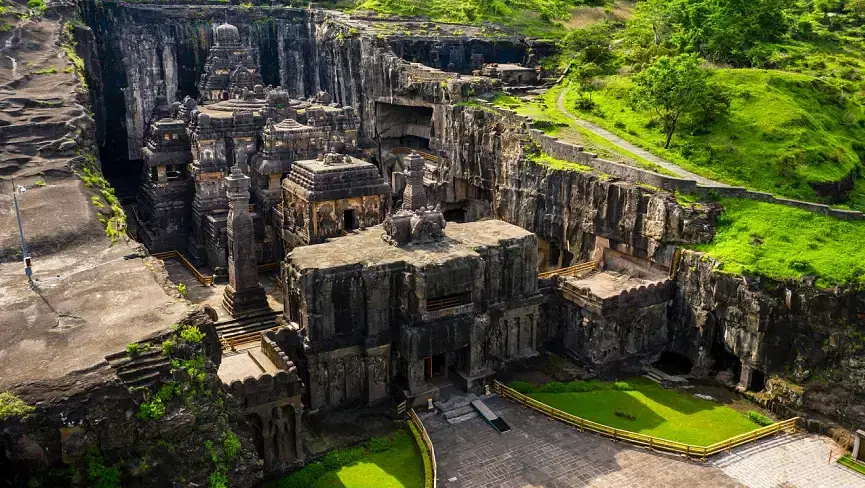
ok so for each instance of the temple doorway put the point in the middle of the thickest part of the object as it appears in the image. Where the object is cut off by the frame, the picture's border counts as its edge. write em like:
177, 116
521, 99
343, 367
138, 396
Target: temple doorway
349, 219
436, 367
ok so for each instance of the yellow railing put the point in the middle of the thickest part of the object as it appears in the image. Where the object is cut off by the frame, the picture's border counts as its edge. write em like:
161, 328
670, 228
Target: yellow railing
203, 279
689, 450
429, 445
569, 271
408, 150
232, 343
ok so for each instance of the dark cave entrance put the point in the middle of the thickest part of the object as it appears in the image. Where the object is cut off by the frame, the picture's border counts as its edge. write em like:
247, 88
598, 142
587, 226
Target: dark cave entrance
726, 360
758, 380
674, 363
404, 127
457, 215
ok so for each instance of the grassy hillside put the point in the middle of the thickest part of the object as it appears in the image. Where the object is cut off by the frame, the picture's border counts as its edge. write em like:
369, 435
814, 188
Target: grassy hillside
782, 242
538, 18
786, 133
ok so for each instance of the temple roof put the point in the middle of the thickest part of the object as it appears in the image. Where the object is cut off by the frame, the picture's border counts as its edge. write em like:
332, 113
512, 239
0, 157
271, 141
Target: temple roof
334, 177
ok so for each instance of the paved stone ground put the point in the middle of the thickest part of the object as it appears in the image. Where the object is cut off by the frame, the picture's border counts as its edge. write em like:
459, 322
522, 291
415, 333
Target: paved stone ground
799, 460
539, 452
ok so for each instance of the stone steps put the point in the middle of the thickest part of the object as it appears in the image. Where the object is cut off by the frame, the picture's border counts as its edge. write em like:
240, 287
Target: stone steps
457, 408
141, 370
245, 325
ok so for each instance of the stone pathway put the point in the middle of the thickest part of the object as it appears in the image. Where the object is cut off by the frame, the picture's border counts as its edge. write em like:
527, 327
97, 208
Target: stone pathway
800, 460
539, 452
623, 144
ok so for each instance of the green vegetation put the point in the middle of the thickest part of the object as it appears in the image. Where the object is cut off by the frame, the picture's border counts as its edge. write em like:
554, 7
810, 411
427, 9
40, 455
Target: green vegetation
783, 114
647, 408
114, 218
783, 242
388, 462
37, 6
192, 334
181, 288
760, 419
69, 45
848, 461
223, 457
47, 71
12, 406
98, 474
427, 461
531, 17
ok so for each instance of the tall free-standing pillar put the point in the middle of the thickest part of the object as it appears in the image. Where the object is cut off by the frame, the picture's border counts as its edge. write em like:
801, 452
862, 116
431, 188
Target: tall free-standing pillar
244, 294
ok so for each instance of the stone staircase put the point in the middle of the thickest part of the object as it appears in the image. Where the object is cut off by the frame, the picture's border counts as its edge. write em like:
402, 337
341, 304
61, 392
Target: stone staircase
246, 327
664, 379
457, 408
143, 369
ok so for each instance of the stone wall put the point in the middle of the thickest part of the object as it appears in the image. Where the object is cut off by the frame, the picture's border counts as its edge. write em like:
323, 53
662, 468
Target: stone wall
815, 338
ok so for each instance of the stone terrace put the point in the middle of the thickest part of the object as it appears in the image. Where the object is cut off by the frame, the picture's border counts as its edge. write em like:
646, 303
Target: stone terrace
539, 452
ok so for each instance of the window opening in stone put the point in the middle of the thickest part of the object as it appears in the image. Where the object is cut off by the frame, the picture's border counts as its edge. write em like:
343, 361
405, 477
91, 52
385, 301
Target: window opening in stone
448, 301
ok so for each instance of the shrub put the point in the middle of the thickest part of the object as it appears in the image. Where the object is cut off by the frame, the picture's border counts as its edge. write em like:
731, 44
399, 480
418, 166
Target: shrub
12, 406
99, 475
583, 386
231, 445
427, 462
37, 5
305, 477
624, 415
523, 387
181, 288
132, 349
760, 419
343, 457
553, 387
623, 386
192, 334
167, 347
378, 444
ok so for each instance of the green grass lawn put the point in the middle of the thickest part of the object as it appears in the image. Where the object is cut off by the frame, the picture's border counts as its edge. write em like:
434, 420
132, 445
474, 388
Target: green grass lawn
659, 412
783, 242
785, 131
392, 462
847, 461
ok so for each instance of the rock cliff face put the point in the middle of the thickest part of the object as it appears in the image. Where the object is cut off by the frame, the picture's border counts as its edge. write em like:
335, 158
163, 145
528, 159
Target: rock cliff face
815, 338
96, 425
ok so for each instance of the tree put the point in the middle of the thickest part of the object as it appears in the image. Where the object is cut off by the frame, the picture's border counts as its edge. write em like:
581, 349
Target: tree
584, 74
671, 88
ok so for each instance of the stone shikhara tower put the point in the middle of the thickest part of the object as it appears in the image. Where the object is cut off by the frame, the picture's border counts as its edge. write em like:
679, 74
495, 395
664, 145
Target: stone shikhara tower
244, 294
414, 196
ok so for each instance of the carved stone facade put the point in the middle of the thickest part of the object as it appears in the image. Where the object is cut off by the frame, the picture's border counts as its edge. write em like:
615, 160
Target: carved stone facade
328, 197
379, 319
191, 147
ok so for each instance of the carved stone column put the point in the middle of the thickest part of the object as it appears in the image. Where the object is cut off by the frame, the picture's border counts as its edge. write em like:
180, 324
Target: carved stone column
244, 294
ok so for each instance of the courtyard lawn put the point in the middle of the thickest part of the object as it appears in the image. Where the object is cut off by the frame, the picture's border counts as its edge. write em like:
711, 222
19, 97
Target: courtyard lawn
388, 462
648, 408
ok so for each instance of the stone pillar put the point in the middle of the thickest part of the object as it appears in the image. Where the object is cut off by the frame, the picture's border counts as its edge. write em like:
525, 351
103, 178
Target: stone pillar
414, 196
859, 446
744, 378
244, 294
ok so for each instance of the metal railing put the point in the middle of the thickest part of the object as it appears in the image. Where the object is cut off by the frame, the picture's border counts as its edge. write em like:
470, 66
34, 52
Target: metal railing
690, 450
408, 150
234, 342
203, 279
429, 445
570, 270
